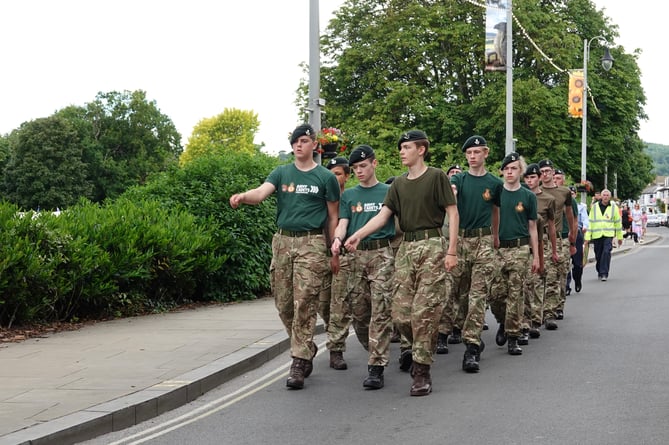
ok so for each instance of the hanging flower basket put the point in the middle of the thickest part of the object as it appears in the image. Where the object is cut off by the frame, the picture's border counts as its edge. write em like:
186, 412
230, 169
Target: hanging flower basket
332, 142
584, 186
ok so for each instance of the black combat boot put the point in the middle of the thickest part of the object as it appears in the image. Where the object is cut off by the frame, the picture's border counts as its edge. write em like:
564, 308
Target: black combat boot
524, 338
513, 347
442, 345
375, 378
406, 360
500, 337
296, 376
455, 337
470, 362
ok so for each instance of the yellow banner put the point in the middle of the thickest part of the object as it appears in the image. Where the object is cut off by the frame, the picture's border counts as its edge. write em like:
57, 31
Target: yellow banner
576, 97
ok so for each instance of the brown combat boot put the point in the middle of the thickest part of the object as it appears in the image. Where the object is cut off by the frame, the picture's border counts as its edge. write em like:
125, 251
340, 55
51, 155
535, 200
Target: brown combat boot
422, 382
296, 376
337, 360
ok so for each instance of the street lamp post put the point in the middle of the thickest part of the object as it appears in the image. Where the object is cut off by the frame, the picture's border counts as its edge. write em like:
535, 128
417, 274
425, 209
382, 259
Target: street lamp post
607, 63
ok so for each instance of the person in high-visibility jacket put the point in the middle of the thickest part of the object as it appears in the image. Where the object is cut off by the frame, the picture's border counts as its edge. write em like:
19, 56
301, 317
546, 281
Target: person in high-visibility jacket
605, 225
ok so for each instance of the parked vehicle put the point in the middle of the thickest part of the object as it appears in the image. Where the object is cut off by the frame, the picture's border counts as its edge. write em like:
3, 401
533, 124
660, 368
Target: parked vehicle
653, 220
663, 219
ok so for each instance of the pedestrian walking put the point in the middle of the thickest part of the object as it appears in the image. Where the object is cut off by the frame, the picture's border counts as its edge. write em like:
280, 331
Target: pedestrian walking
583, 222
366, 281
518, 249
469, 283
307, 208
421, 199
605, 226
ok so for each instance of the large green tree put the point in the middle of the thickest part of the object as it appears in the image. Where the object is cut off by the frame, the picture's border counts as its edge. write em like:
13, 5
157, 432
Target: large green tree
46, 168
400, 64
130, 139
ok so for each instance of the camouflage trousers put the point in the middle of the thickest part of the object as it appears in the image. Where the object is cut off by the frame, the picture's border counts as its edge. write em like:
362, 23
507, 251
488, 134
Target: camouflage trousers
507, 301
468, 288
296, 276
419, 294
324, 298
340, 305
534, 300
556, 277
371, 287
564, 252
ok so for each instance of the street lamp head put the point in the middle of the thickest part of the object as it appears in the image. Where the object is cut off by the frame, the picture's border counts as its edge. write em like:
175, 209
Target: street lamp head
607, 60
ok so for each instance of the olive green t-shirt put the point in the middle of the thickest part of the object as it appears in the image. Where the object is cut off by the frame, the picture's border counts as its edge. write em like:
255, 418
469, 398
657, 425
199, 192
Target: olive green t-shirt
360, 204
516, 209
476, 196
545, 209
420, 203
563, 200
301, 203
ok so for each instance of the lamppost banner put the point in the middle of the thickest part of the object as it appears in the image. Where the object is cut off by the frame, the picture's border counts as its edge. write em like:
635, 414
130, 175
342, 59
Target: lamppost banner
576, 84
495, 35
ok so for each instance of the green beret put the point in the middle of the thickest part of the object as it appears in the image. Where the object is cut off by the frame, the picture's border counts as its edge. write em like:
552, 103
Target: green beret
360, 153
302, 130
474, 141
508, 159
533, 169
411, 135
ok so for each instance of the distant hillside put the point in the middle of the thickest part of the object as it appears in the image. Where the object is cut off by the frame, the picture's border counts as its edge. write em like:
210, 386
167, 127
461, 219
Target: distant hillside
660, 155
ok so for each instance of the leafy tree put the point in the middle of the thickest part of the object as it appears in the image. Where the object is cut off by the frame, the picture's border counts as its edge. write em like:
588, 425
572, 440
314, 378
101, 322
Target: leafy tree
231, 130
130, 139
46, 169
401, 64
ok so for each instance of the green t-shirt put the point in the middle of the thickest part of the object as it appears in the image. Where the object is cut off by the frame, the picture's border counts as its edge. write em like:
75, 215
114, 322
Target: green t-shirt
360, 204
563, 200
420, 203
515, 210
565, 224
301, 196
476, 196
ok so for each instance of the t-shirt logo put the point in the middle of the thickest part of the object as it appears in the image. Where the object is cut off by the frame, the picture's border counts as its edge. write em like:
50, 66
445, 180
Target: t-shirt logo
358, 208
487, 196
291, 187
520, 207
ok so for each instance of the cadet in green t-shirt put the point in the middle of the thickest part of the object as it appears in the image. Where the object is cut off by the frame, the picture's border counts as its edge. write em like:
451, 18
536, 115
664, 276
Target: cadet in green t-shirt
307, 206
518, 248
367, 280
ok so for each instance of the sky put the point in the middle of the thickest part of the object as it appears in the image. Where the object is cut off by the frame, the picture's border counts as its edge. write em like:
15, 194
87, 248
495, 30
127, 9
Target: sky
197, 58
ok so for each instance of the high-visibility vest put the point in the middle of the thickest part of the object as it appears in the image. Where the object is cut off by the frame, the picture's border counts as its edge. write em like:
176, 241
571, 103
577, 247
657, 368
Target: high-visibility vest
606, 224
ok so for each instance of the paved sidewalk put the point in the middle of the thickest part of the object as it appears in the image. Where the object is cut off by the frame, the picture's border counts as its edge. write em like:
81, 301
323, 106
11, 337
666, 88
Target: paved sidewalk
73, 386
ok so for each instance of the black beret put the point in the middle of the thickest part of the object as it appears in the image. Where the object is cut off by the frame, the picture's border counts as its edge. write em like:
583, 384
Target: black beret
572, 188
453, 167
474, 141
302, 130
533, 169
360, 153
545, 163
411, 135
337, 162
508, 159
559, 172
